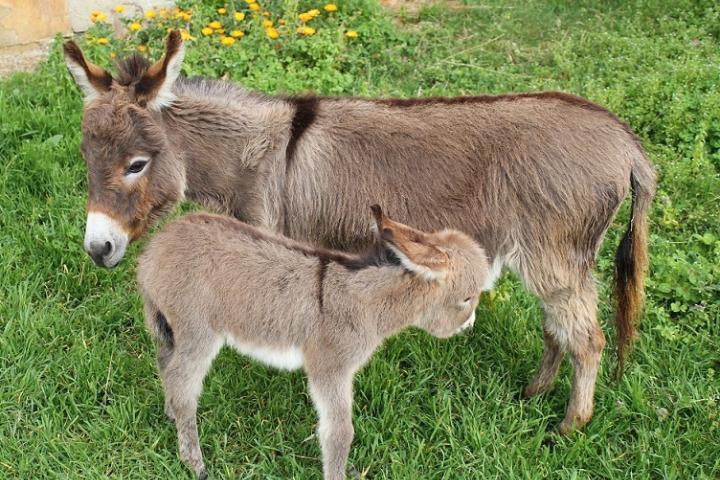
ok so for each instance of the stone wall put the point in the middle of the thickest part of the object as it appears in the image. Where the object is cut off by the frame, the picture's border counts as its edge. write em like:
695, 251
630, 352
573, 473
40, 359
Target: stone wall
29, 21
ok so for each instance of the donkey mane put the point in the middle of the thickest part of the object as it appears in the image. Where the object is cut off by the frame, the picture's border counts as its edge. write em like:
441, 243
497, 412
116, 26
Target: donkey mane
131, 69
375, 255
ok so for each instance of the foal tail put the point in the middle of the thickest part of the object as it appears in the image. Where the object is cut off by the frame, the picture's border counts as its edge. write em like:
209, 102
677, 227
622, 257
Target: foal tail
161, 332
631, 259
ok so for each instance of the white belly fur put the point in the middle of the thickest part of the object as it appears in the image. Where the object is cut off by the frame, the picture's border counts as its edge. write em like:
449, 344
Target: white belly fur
286, 359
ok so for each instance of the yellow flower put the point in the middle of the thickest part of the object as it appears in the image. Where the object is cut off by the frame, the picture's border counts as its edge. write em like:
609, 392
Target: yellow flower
215, 25
135, 26
306, 31
185, 16
254, 7
250, 2
281, 21
267, 23
96, 16
305, 17
102, 41
163, 12
112, 55
206, 31
272, 33
142, 48
237, 33
185, 35
351, 34
330, 7
314, 12
227, 41
119, 8
150, 14
239, 16
222, 11
265, 13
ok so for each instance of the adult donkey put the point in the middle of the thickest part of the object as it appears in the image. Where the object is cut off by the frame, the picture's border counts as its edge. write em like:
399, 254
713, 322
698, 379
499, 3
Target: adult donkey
536, 178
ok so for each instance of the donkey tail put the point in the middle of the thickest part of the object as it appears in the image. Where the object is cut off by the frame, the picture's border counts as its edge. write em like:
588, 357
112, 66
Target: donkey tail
631, 259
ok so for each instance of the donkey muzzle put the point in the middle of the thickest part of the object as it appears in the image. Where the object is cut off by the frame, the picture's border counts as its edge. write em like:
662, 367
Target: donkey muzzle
105, 240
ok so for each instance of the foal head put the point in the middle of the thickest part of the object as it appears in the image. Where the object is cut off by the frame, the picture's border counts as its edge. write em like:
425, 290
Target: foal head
133, 174
451, 266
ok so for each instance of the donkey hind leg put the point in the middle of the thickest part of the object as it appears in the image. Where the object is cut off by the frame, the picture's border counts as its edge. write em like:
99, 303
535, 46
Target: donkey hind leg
183, 379
571, 326
332, 397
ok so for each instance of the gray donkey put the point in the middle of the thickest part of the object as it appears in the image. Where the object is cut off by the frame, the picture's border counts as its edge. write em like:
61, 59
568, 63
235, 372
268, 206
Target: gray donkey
209, 281
535, 178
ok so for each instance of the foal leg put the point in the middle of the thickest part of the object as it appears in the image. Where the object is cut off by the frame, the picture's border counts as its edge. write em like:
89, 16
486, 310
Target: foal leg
332, 396
571, 322
183, 379
164, 354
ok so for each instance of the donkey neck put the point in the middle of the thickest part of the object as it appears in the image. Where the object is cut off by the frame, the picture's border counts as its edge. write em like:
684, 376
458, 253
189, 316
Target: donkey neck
231, 143
391, 298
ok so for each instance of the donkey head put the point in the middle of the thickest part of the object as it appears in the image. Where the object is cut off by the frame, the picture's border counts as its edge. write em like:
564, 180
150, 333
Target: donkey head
452, 266
133, 175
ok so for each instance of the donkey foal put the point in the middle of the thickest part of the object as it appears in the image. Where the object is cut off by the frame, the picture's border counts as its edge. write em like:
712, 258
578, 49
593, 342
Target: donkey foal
209, 280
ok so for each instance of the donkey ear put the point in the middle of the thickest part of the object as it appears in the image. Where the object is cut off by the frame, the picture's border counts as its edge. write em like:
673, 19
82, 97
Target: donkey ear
376, 228
154, 89
414, 248
91, 79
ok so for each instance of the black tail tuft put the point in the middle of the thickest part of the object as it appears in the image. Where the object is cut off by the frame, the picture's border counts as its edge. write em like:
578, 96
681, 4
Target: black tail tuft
164, 332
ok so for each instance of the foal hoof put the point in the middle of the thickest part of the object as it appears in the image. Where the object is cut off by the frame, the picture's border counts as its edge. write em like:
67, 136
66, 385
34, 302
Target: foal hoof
203, 475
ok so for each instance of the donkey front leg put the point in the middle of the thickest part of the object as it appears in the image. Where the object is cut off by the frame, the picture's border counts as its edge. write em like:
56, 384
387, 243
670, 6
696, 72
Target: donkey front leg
549, 366
183, 379
571, 323
332, 395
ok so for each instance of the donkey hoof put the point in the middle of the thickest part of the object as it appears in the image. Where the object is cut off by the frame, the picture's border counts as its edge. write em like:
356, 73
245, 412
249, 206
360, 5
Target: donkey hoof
531, 390
570, 425
203, 475
528, 391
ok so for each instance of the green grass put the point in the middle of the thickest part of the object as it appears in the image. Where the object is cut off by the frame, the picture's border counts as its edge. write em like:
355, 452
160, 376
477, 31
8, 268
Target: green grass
79, 396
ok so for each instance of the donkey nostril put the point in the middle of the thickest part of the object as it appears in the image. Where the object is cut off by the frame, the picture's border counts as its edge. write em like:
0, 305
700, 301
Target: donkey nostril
108, 248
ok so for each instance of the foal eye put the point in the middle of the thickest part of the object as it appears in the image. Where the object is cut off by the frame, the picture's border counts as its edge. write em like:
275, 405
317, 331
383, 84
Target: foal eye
136, 167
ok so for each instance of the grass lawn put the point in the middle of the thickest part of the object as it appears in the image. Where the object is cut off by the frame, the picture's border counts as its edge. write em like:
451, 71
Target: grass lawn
79, 396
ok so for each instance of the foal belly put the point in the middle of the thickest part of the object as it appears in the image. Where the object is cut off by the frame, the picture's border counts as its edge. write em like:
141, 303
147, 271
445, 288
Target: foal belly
290, 358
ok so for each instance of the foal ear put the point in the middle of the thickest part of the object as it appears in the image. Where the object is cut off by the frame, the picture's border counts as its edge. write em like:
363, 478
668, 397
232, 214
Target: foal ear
413, 247
154, 89
91, 79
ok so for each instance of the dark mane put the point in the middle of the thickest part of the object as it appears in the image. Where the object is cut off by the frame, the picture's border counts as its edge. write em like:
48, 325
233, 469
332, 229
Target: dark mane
131, 69
375, 255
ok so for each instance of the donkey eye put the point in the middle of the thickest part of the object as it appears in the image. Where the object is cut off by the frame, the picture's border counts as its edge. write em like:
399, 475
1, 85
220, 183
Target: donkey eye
467, 300
136, 167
